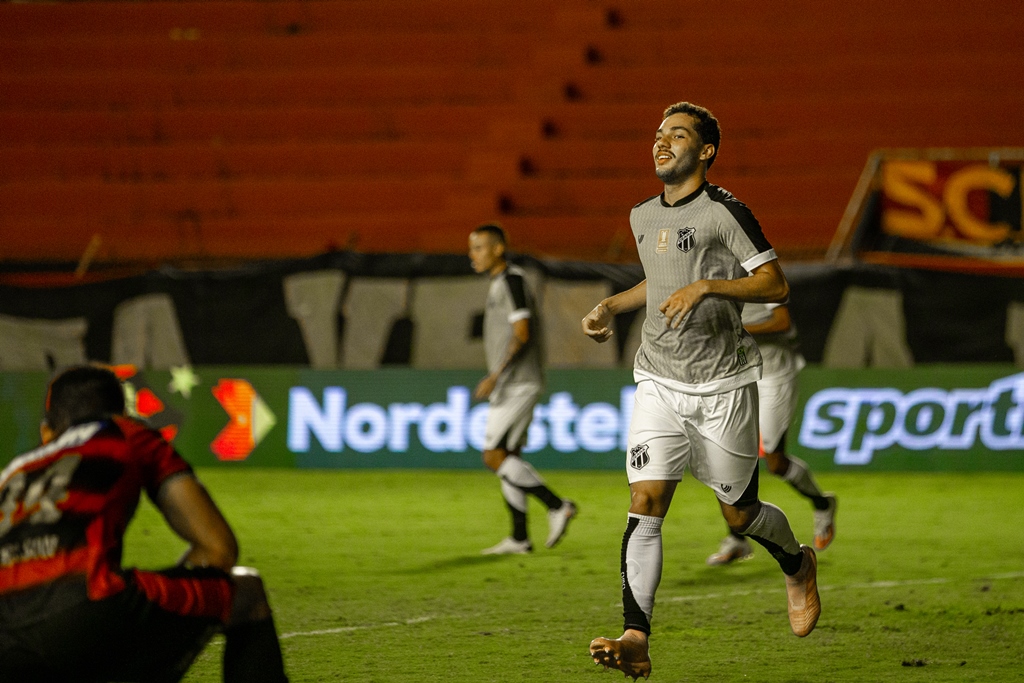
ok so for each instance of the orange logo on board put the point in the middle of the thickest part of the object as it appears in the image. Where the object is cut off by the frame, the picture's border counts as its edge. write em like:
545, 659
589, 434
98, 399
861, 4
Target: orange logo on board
251, 419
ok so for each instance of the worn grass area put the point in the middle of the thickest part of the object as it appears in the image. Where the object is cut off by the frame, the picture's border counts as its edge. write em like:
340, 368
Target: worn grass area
377, 576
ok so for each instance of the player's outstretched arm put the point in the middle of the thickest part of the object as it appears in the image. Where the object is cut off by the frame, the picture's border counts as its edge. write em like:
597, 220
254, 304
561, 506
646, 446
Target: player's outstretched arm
766, 284
192, 515
598, 323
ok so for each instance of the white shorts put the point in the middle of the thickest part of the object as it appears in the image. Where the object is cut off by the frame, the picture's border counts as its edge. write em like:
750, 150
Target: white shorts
714, 436
509, 416
776, 405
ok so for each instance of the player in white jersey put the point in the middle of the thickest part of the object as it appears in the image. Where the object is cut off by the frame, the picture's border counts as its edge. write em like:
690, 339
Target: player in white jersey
514, 383
703, 255
773, 330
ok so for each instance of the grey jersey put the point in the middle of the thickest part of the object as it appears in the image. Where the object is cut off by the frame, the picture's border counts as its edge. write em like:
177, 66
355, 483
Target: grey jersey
509, 300
708, 235
780, 352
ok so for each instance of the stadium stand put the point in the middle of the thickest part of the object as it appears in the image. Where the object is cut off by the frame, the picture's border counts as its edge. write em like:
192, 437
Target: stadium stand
235, 130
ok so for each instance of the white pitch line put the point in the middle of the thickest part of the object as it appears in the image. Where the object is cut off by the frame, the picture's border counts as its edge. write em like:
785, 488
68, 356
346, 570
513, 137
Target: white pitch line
349, 629
851, 586
890, 584
678, 598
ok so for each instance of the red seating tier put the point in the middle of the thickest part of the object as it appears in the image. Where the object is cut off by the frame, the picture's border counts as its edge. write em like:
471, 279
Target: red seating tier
280, 128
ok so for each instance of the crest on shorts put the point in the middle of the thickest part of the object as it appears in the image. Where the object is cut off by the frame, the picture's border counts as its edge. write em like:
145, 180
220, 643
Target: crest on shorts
638, 456
684, 239
726, 487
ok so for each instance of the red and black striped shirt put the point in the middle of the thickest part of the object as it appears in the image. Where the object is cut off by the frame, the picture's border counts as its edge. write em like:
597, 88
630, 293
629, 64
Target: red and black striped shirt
64, 509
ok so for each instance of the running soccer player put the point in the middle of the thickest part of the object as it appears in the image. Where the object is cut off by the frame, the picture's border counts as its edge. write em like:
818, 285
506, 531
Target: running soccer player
703, 255
68, 610
773, 330
514, 383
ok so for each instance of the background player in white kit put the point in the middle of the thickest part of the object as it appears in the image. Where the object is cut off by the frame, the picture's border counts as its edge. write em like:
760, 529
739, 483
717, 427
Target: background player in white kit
703, 254
775, 334
514, 384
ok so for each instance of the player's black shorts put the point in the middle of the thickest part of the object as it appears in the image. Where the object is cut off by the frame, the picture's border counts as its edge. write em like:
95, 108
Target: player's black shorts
127, 637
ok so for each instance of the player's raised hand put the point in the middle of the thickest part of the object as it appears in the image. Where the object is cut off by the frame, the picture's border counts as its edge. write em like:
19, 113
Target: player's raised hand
598, 324
681, 302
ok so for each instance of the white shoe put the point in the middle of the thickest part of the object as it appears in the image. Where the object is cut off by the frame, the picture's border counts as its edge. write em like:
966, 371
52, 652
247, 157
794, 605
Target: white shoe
732, 550
825, 523
558, 522
509, 546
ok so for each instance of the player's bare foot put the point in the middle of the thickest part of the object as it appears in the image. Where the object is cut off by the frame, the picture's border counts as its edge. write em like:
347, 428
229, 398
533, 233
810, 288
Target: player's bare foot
628, 654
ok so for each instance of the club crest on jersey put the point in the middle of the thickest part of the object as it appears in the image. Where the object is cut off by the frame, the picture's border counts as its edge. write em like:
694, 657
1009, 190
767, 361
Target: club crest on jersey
684, 239
638, 457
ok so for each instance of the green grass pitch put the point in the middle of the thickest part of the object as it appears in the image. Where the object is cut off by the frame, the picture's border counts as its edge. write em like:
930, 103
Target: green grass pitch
376, 576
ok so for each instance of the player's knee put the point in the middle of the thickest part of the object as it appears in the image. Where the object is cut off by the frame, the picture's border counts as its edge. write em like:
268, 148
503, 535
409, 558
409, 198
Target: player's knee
778, 463
250, 601
740, 517
493, 459
647, 501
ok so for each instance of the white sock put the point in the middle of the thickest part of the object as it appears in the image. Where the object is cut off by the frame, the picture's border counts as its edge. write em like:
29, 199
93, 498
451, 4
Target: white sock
641, 570
772, 526
799, 477
518, 472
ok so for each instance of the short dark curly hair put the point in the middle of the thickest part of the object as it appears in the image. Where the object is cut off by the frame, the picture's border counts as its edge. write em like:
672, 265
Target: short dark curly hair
706, 124
83, 393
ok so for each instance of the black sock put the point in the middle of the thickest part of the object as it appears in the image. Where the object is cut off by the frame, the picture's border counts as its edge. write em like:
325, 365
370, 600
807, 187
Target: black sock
790, 563
546, 496
252, 653
819, 502
518, 524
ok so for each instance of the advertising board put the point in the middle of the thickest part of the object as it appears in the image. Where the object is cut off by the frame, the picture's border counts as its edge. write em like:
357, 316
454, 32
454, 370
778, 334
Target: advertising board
930, 418
946, 209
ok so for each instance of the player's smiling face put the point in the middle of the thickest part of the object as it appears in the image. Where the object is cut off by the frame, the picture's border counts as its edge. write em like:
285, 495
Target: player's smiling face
678, 150
485, 252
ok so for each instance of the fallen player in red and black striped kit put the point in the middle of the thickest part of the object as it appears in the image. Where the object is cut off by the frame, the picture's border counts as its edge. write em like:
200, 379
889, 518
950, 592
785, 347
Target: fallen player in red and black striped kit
68, 610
